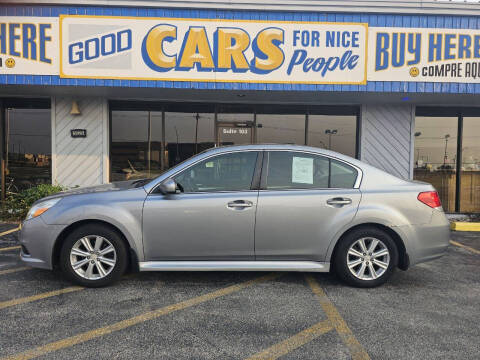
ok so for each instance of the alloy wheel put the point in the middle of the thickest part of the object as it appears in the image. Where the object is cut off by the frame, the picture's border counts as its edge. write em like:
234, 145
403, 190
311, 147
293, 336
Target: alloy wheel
368, 258
93, 257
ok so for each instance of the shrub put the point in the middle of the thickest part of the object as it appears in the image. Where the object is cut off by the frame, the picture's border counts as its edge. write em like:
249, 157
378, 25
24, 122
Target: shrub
16, 205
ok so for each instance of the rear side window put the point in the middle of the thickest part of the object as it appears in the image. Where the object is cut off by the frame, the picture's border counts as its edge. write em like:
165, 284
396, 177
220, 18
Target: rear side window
296, 170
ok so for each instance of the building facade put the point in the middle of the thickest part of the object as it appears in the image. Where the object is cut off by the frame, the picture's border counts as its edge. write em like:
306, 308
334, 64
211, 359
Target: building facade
112, 90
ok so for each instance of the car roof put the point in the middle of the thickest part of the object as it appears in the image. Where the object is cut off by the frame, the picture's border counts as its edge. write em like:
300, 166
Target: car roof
287, 147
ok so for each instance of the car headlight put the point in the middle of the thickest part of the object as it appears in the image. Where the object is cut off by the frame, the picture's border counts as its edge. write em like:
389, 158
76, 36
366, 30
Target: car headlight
41, 207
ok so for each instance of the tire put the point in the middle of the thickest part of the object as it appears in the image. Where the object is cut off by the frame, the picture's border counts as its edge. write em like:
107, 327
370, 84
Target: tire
103, 266
349, 251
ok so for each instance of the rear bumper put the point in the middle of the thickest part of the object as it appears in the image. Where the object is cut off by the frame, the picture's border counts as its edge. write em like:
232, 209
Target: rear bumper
426, 242
37, 240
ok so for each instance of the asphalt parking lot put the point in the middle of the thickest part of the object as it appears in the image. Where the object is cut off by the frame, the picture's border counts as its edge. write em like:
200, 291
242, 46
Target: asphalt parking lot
429, 312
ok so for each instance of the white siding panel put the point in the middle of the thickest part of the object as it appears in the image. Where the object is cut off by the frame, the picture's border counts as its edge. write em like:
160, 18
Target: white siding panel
387, 138
79, 161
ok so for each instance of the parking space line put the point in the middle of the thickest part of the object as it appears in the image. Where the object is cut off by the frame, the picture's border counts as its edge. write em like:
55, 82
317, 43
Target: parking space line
10, 248
44, 295
14, 270
356, 349
9, 231
475, 251
92, 334
293, 342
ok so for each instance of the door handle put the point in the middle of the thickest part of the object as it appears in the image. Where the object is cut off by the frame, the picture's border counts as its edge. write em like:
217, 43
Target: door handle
339, 201
239, 204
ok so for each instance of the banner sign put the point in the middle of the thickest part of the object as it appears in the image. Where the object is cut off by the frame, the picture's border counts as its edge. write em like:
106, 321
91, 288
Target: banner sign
432, 55
29, 45
219, 50
213, 50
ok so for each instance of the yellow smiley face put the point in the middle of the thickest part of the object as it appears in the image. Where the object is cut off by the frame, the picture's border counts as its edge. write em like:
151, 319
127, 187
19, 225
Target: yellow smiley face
10, 63
414, 72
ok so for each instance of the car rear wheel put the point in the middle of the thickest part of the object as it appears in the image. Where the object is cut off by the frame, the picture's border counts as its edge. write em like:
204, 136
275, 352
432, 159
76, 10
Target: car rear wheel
366, 257
93, 255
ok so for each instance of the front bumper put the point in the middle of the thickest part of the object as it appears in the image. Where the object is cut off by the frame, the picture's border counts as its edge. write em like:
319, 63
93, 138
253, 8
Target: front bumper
37, 240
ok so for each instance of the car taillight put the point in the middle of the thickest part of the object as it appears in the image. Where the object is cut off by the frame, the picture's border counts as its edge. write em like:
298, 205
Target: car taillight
430, 198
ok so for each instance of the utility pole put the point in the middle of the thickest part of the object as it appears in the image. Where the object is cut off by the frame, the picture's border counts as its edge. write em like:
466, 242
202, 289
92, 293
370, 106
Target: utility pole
445, 156
177, 156
417, 134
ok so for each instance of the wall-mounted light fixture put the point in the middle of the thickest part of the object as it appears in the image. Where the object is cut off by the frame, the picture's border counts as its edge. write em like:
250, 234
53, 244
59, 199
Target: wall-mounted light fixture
75, 109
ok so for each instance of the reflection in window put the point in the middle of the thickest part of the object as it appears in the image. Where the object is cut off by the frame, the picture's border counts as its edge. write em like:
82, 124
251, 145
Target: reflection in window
227, 172
436, 155
187, 134
281, 129
470, 176
28, 146
337, 133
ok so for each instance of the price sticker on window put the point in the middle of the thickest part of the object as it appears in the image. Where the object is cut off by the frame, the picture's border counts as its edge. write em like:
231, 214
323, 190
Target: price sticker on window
302, 170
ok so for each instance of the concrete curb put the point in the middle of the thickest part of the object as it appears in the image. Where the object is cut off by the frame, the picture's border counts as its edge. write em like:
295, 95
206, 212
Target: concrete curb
465, 226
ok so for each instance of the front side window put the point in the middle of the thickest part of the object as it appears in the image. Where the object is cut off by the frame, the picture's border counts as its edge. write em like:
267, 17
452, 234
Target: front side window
292, 170
226, 172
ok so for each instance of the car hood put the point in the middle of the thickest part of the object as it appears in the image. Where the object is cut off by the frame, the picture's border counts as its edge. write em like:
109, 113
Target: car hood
114, 186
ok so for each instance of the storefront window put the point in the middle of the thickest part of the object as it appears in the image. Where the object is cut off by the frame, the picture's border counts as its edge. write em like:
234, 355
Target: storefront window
187, 134
140, 149
470, 174
436, 155
281, 129
28, 148
136, 144
337, 133
146, 143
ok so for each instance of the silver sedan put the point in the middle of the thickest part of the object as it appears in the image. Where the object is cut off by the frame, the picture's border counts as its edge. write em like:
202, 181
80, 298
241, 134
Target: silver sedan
242, 208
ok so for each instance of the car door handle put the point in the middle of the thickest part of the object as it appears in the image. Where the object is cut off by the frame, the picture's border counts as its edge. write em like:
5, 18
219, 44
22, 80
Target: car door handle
339, 201
239, 204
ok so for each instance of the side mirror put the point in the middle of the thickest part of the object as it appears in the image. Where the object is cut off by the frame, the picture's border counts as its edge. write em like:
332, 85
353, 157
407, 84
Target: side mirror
168, 186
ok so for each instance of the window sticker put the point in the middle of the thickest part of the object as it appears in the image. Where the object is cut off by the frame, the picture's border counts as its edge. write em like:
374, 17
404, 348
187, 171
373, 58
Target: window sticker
209, 164
302, 170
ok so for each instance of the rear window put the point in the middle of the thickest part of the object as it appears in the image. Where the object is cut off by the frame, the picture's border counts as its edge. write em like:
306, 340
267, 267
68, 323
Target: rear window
342, 176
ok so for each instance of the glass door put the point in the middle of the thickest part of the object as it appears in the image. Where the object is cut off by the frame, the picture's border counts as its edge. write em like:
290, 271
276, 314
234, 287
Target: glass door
436, 155
235, 129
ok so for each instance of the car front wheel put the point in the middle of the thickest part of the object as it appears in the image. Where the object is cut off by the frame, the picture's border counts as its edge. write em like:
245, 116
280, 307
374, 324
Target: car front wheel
94, 256
366, 257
